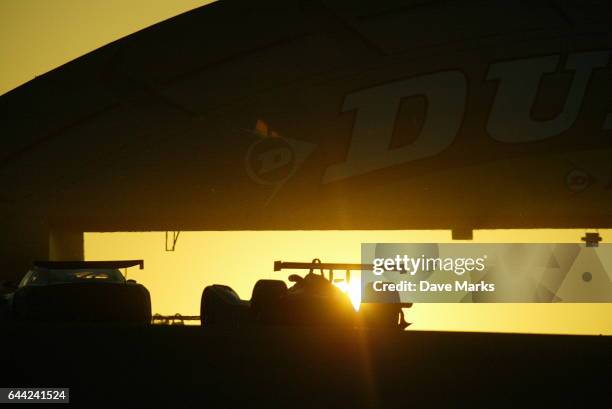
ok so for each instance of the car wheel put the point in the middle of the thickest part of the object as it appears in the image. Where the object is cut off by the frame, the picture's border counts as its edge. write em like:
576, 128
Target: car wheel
265, 299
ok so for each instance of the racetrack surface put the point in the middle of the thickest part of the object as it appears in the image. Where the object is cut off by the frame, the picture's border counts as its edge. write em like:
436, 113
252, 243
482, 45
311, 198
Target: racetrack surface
184, 366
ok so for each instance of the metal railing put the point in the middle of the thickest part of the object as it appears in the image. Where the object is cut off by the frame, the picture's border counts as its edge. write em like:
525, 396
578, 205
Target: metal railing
176, 319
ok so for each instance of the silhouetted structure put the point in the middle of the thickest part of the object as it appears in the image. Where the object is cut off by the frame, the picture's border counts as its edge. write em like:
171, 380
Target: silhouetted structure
469, 114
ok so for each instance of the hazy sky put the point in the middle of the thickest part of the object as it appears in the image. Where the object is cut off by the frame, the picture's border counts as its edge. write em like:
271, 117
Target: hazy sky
39, 35
238, 259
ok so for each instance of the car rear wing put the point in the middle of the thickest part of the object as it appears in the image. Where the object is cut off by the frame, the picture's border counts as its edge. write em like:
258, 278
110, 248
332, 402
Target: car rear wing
73, 265
316, 264
291, 265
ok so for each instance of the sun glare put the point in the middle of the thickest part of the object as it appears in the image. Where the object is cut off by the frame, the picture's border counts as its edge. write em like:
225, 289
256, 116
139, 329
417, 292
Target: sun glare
176, 279
353, 290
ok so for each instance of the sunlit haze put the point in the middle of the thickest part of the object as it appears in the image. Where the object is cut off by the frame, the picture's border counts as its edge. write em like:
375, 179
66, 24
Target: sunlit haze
238, 259
38, 36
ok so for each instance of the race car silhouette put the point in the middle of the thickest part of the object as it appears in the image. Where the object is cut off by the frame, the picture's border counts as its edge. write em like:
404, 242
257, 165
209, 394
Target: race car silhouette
79, 291
312, 300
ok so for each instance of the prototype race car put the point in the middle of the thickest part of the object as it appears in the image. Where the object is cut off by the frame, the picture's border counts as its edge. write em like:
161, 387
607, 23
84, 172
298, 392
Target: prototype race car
79, 291
312, 300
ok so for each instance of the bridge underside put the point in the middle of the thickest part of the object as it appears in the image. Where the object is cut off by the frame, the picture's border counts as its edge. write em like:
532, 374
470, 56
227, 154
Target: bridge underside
315, 116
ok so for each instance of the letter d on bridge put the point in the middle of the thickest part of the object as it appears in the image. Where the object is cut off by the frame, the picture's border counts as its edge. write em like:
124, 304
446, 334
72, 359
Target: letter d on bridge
376, 110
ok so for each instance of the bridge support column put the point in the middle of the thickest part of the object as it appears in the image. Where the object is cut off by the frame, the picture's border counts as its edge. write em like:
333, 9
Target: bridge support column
462, 233
66, 245
22, 241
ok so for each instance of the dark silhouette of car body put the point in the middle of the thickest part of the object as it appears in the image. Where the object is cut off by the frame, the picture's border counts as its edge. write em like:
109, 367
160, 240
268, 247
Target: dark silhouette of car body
79, 291
312, 300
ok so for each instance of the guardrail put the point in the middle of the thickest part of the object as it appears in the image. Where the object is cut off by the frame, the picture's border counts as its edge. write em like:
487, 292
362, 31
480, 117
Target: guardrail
176, 319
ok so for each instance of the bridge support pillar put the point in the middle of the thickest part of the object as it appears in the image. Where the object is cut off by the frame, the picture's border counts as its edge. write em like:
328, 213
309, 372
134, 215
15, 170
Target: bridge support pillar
66, 245
22, 241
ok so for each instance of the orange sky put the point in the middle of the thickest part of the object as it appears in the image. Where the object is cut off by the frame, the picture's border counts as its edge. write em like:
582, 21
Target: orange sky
40, 35
239, 259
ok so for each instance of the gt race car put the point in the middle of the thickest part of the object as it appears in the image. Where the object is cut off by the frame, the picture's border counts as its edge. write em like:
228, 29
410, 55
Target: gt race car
313, 299
78, 291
